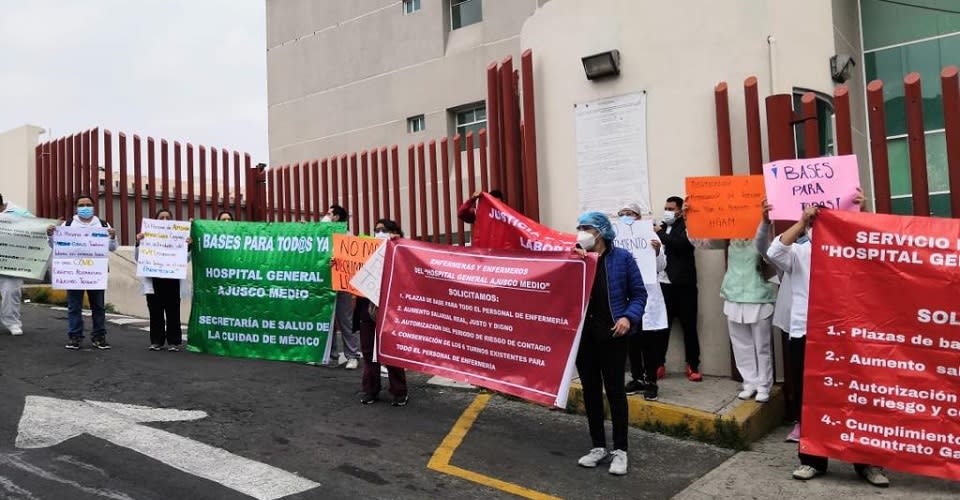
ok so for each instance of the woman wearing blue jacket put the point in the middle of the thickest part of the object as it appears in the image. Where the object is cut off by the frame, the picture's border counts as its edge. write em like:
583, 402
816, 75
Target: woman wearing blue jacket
617, 300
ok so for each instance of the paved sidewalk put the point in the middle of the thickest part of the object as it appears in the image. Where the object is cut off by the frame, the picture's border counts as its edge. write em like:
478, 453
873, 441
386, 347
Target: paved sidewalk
764, 472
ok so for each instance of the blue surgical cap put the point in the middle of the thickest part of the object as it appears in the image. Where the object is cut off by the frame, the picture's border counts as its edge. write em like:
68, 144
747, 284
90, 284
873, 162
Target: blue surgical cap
599, 221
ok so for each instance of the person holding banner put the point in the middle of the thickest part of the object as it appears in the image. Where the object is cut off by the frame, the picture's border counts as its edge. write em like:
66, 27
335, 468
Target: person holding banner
86, 217
467, 211
349, 344
10, 287
163, 301
225, 216
679, 284
617, 301
788, 253
644, 346
365, 316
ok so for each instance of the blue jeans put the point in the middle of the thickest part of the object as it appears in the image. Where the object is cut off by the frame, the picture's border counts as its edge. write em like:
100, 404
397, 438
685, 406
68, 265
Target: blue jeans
75, 314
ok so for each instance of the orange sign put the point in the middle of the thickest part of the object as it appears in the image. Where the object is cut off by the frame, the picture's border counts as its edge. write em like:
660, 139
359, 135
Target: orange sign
350, 253
724, 207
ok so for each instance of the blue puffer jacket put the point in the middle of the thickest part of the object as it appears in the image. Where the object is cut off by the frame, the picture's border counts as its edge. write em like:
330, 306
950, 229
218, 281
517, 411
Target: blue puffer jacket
628, 297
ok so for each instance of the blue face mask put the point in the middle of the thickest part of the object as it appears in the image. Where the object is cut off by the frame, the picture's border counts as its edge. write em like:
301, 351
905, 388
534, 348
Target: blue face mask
627, 220
85, 212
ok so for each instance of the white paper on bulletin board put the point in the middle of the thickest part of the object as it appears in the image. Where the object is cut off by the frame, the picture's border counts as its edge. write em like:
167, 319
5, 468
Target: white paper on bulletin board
612, 153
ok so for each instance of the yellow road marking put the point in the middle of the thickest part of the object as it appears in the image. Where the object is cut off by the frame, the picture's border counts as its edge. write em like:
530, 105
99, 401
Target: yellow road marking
440, 461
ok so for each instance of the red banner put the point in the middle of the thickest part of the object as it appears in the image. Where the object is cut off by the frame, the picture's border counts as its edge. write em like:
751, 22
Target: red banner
882, 367
506, 320
499, 226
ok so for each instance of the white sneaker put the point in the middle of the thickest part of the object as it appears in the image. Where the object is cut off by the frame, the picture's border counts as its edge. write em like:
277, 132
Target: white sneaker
763, 397
618, 466
383, 371
593, 458
352, 364
874, 475
16, 330
805, 472
746, 393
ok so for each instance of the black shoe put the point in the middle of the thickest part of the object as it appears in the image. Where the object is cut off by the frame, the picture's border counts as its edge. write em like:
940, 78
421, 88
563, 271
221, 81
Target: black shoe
400, 401
650, 393
368, 399
635, 386
73, 345
101, 343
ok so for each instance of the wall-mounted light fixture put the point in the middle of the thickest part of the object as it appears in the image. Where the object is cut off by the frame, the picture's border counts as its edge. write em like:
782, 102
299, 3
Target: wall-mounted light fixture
602, 65
841, 65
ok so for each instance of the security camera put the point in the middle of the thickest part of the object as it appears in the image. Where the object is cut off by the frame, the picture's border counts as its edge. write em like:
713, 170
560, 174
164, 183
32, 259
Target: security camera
840, 67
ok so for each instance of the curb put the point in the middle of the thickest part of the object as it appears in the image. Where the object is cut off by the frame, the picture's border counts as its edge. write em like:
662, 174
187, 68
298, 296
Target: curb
747, 422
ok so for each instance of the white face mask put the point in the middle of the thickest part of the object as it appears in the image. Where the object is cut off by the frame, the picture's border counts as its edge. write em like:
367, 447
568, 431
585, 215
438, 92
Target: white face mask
669, 216
326, 218
586, 240
810, 233
381, 235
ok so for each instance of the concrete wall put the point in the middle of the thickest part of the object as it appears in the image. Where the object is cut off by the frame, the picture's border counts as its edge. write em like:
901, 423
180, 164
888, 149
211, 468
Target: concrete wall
345, 76
677, 52
18, 165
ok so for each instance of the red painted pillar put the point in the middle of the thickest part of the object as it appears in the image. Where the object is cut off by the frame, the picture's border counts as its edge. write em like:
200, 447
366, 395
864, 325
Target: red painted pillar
448, 215
385, 182
511, 136
458, 175
214, 184
297, 207
435, 192
412, 191
422, 175
951, 119
178, 180
191, 181
225, 155
918, 146
165, 174
365, 187
94, 156
108, 179
124, 193
493, 123
395, 159
724, 146
151, 179
811, 135
374, 189
876, 114
237, 198
315, 177
335, 182
138, 183
841, 106
754, 143
530, 173
202, 155
325, 185
354, 194
484, 185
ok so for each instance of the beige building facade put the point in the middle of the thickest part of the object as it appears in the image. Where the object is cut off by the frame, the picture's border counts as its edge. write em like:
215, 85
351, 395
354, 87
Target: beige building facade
18, 163
348, 76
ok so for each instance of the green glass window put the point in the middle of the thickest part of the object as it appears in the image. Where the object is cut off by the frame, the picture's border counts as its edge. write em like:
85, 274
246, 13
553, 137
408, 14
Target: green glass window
938, 181
888, 22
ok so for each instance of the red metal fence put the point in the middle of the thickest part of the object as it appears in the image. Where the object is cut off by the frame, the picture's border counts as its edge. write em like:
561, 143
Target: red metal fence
423, 192
782, 120
71, 166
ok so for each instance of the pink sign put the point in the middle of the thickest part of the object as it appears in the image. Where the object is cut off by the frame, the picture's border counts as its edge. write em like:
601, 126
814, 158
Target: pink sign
829, 182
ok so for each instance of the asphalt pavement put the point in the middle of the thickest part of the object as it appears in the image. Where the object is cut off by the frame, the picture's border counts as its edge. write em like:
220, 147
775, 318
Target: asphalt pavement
270, 428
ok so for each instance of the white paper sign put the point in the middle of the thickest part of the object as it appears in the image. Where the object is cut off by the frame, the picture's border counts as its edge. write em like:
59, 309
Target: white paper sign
369, 277
80, 258
163, 249
612, 153
24, 248
635, 238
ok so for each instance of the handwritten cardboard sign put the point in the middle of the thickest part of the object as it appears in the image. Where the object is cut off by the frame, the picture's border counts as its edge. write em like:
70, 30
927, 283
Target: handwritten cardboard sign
163, 250
350, 253
829, 182
724, 207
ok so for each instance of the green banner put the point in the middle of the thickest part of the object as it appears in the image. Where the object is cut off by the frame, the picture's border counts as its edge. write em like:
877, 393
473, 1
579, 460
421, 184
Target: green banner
262, 290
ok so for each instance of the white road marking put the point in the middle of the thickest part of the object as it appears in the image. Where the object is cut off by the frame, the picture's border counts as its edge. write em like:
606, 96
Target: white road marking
127, 321
50, 421
12, 488
17, 462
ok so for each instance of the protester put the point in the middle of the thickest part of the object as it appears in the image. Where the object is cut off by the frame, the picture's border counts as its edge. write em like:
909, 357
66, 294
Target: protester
617, 301
365, 316
789, 254
10, 287
644, 352
163, 301
679, 284
348, 345
467, 212
781, 313
86, 217
225, 216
